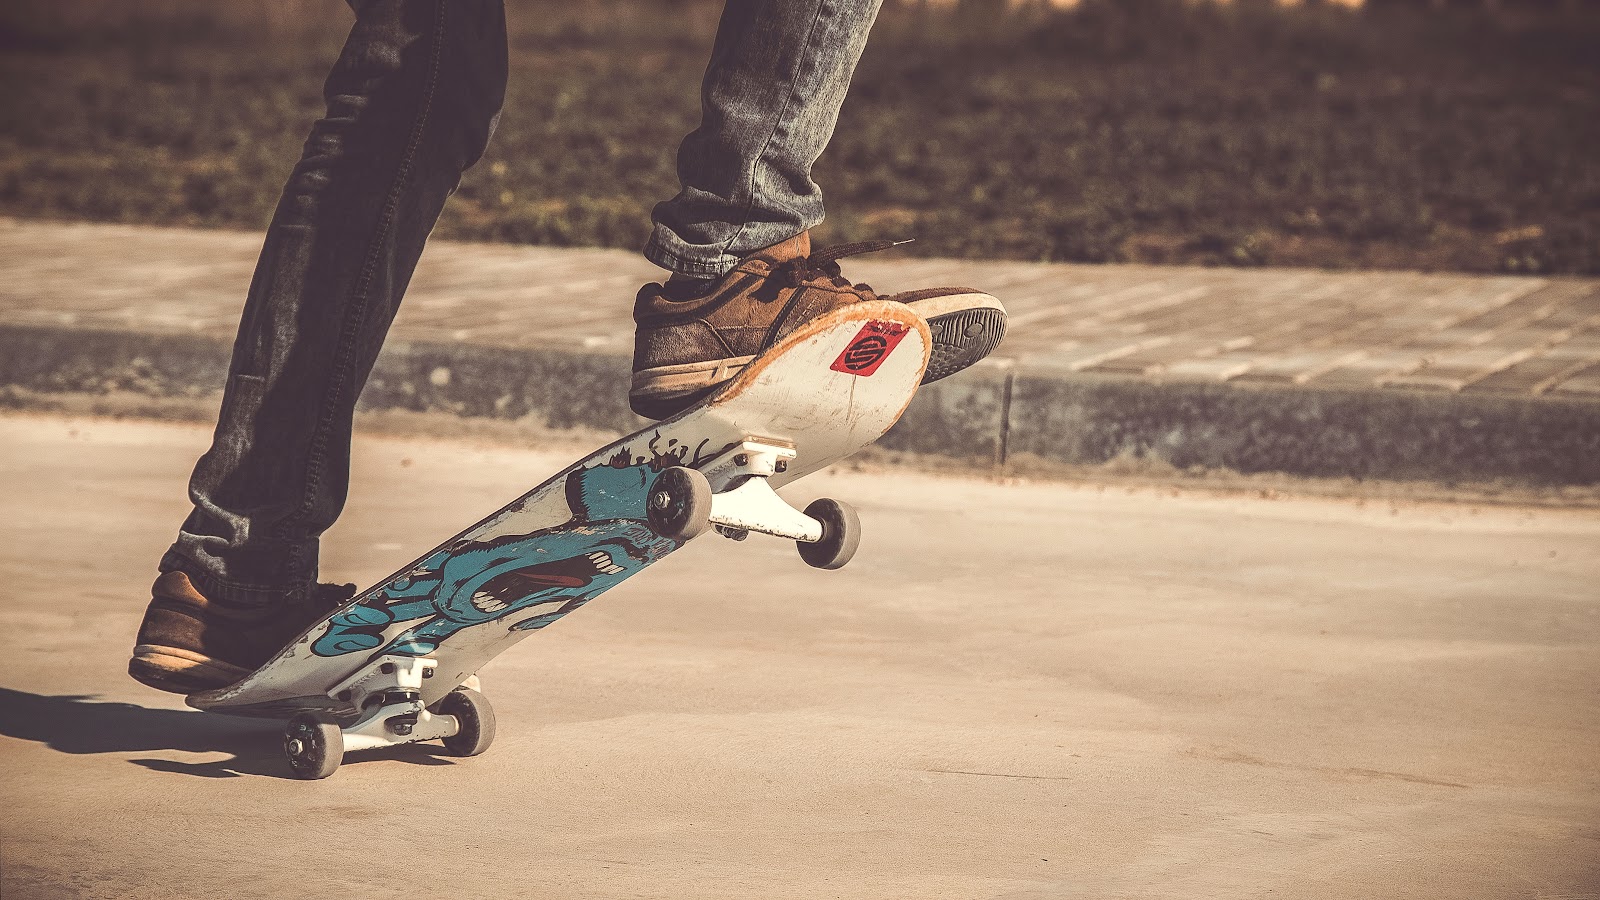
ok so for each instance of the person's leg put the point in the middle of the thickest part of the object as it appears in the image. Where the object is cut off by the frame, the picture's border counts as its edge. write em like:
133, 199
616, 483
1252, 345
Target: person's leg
411, 103
737, 235
778, 75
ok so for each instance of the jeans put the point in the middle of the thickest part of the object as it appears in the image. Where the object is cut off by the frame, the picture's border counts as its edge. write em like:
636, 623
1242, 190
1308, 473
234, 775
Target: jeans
411, 104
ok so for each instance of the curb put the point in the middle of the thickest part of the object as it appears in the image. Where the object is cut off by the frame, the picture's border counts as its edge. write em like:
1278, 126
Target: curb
991, 414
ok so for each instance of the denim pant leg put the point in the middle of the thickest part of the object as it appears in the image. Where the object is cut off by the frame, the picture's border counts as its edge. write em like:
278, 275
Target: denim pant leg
411, 103
778, 75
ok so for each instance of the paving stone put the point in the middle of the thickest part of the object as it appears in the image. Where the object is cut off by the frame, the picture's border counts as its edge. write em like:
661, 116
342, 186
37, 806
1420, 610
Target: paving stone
1578, 312
1585, 382
1369, 369
1077, 357
1585, 346
1522, 377
1215, 368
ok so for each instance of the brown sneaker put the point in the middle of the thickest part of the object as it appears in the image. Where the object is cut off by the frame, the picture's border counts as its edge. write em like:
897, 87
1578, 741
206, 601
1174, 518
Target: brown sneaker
188, 643
685, 347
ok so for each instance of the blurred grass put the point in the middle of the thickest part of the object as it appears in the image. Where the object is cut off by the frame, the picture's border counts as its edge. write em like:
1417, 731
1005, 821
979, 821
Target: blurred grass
1120, 130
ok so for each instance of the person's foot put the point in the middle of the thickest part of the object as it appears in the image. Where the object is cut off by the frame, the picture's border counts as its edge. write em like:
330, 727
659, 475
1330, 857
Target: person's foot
693, 336
188, 643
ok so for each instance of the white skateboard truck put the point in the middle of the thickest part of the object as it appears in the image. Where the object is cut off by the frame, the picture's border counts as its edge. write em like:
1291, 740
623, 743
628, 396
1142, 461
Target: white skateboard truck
733, 493
388, 691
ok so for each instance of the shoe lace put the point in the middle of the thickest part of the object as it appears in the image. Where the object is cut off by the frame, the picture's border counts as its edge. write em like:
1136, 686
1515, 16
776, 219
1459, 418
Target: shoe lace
823, 265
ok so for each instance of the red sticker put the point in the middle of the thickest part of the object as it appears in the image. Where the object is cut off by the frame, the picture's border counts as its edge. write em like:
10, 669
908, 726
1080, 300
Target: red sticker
870, 348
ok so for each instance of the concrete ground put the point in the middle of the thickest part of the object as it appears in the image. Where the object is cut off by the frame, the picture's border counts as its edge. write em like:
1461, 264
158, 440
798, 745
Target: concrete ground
1015, 691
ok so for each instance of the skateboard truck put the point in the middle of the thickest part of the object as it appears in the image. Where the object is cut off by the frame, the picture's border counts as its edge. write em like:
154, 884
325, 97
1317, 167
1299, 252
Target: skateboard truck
733, 494
388, 693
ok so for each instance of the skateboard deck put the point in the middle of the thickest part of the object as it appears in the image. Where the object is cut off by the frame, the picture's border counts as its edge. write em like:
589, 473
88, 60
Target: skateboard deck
382, 668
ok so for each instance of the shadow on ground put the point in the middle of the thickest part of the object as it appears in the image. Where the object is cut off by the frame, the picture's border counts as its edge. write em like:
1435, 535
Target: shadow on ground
84, 724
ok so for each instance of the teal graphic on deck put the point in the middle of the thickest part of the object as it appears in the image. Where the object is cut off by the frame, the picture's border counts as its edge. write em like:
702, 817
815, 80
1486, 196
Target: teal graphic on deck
550, 572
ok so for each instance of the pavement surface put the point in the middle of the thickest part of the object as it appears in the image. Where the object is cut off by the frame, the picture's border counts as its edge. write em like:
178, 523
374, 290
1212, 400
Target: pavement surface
1016, 690
1365, 374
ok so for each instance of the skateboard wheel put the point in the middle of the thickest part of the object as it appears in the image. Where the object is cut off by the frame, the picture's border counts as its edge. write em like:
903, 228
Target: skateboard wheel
841, 534
315, 748
679, 506
475, 717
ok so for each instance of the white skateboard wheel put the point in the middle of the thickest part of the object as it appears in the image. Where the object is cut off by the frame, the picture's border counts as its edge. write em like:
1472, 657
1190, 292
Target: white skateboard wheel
475, 717
841, 534
679, 506
315, 748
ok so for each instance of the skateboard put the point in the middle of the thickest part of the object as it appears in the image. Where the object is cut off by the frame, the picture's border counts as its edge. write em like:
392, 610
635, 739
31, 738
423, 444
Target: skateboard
397, 664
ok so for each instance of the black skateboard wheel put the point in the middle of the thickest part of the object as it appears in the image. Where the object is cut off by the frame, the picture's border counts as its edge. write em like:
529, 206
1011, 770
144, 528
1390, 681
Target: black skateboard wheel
476, 718
315, 748
841, 534
679, 505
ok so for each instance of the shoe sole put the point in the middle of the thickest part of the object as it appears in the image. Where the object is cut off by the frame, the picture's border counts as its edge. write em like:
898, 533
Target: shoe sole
665, 390
965, 327
180, 671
